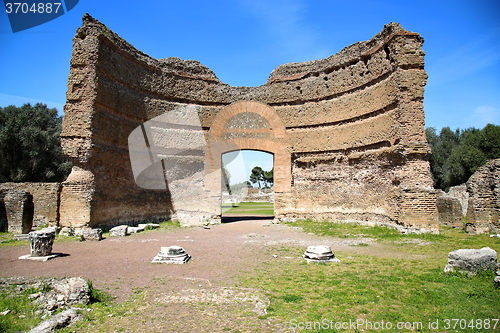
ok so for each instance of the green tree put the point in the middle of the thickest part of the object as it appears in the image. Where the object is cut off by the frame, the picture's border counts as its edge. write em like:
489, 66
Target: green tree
490, 141
257, 175
457, 155
30, 148
226, 178
442, 146
268, 177
465, 158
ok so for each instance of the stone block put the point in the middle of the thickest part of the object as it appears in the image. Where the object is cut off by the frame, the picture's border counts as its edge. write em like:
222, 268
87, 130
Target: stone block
67, 231
73, 290
135, 230
92, 234
321, 253
171, 255
472, 260
149, 225
119, 231
41, 242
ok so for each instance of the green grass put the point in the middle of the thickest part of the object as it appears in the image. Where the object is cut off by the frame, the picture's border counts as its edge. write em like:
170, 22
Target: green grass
19, 305
379, 286
261, 208
22, 315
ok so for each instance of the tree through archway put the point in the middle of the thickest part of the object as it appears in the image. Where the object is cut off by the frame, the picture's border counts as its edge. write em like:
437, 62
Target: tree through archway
247, 185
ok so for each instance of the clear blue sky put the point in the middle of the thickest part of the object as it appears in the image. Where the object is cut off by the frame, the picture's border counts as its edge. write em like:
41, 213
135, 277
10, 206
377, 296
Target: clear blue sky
240, 164
242, 41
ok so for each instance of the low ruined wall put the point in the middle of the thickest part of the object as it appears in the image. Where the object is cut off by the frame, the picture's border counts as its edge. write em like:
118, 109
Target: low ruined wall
19, 210
45, 200
450, 210
3, 214
347, 132
460, 193
484, 199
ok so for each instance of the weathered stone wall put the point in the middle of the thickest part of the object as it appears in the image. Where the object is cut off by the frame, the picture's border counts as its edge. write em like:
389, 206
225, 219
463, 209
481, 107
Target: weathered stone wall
450, 210
460, 193
19, 210
3, 214
45, 200
484, 199
347, 132
418, 210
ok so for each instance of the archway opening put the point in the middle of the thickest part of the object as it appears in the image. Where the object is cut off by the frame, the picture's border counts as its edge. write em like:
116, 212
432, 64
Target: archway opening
247, 185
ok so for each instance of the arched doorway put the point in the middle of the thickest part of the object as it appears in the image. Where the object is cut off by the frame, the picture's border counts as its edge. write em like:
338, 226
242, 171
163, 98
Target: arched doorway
249, 126
247, 185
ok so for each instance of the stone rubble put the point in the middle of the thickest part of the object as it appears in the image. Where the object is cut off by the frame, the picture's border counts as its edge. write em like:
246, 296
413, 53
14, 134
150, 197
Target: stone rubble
172, 255
52, 294
320, 253
89, 234
60, 320
472, 260
119, 231
124, 230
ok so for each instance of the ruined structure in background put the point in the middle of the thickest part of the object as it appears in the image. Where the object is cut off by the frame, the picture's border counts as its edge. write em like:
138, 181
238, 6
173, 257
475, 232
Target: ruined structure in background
347, 132
452, 206
45, 198
16, 209
484, 199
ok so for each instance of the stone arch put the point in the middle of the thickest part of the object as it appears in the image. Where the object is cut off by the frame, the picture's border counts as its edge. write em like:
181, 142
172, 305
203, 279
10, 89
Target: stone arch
265, 111
270, 139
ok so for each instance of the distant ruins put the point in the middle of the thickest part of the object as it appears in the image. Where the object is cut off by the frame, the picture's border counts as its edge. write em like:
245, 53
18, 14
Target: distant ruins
347, 133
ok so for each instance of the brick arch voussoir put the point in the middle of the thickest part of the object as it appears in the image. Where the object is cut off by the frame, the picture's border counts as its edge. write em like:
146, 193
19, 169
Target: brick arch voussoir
217, 128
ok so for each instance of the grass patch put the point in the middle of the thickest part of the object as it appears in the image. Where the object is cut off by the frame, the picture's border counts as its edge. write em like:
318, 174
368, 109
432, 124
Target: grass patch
249, 208
21, 312
378, 286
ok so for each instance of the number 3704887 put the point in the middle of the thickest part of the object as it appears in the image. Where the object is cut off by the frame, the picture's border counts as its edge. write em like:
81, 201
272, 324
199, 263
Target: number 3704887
35, 8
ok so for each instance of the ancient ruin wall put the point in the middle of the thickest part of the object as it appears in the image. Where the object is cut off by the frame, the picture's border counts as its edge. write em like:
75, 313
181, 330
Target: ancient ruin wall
18, 206
483, 211
45, 200
347, 131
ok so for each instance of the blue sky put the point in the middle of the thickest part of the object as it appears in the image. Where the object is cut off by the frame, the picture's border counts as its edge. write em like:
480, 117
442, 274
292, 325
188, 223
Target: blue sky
242, 41
240, 164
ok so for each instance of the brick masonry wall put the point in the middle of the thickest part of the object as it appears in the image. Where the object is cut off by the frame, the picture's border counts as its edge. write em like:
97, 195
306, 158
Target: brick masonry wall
450, 210
45, 200
19, 210
350, 124
3, 214
418, 209
484, 199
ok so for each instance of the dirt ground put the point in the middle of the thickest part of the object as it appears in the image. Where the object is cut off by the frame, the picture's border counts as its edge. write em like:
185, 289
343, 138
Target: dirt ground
219, 254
